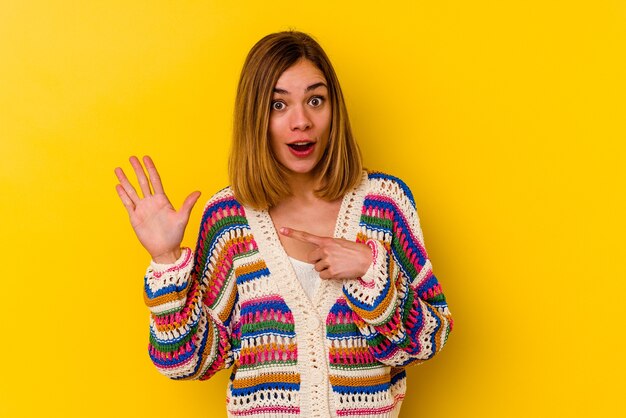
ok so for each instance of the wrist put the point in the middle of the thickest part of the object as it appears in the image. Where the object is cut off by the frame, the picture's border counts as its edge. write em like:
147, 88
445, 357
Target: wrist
369, 256
373, 250
181, 263
169, 257
373, 255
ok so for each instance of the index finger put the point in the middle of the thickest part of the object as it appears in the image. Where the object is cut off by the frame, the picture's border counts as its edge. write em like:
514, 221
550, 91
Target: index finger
302, 236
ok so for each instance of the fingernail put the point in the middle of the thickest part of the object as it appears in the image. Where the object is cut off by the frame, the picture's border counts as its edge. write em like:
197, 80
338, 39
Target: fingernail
284, 231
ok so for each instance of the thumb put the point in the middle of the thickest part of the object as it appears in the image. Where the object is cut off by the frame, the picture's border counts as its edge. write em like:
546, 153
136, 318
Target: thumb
189, 203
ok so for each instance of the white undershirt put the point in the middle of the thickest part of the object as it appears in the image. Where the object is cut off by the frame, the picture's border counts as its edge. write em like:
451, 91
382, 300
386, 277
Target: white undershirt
308, 277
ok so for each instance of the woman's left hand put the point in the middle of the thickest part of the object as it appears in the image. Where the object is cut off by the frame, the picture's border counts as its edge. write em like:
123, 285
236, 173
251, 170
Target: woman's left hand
334, 258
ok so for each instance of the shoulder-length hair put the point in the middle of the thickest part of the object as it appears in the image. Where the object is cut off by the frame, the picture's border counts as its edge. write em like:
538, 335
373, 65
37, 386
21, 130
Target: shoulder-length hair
256, 177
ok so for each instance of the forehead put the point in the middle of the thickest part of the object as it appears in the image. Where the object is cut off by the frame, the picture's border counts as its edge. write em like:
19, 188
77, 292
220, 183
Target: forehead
299, 76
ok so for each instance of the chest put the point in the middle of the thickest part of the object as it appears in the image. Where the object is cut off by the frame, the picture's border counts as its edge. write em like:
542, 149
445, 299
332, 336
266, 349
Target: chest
318, 219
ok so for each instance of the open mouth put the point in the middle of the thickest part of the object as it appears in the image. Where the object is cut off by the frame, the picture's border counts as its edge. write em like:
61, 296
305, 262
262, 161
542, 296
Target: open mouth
302, 149
301, 146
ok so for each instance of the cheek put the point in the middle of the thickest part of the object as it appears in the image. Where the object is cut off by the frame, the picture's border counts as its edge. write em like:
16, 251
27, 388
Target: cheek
278, 126
272, 129
328, 116
274, 133
325, 122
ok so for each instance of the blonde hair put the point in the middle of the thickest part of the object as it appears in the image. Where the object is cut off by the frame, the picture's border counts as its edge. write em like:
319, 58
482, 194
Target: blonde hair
256, 176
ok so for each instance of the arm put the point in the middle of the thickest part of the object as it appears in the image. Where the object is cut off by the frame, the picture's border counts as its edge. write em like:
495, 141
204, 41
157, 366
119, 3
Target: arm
192, 301
398, 303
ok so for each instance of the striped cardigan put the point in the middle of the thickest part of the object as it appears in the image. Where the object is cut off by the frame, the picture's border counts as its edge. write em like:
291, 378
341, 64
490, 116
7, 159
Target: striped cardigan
236, 302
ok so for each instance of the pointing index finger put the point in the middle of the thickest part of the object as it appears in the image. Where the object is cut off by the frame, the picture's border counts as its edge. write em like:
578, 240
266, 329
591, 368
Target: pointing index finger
302, 236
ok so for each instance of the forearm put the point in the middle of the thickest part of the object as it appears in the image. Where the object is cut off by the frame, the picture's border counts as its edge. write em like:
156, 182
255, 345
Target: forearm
420, 324
186, 340
167, 285
403, 321
194, 348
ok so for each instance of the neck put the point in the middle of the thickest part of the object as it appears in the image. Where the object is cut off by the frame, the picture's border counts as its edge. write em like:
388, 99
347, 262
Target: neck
303, 186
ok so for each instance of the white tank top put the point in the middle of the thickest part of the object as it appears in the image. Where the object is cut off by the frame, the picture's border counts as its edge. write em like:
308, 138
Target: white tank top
308, 277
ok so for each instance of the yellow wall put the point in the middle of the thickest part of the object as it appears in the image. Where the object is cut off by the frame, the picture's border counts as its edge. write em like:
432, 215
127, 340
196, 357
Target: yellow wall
507, 119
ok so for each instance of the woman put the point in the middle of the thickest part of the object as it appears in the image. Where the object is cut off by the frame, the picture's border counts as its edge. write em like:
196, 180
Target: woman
309, 276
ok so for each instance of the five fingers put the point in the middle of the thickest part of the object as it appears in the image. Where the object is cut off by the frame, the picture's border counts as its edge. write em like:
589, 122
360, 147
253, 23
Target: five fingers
128, 194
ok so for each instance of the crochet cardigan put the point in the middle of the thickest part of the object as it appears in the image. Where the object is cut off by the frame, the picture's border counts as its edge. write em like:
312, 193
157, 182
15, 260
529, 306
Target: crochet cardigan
236, 302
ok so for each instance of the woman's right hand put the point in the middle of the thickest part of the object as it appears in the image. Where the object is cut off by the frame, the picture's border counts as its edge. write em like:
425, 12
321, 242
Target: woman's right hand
159, 227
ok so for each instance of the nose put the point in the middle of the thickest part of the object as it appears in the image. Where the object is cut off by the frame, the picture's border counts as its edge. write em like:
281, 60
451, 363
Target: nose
300, 119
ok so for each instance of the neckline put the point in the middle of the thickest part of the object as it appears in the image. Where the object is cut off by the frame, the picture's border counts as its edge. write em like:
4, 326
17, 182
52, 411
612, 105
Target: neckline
277, 259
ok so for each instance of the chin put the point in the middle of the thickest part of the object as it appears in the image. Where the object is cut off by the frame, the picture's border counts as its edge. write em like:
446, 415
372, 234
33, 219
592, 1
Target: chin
301, 168
302, 171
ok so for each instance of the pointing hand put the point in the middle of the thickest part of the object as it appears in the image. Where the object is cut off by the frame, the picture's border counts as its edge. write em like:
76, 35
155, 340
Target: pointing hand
334, 258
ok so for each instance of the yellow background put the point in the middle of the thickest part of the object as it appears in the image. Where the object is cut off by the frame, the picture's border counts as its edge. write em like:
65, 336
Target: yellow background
507, 119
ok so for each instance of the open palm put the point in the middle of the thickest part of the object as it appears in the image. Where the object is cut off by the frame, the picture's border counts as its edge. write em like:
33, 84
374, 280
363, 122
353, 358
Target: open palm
158, 225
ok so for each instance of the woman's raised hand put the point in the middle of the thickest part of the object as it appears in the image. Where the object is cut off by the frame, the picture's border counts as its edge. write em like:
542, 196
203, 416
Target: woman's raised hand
159, 227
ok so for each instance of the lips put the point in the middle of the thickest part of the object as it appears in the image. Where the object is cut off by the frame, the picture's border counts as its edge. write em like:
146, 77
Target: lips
301, 148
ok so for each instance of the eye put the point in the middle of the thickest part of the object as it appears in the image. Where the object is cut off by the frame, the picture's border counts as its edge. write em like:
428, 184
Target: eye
316, 101
278, 105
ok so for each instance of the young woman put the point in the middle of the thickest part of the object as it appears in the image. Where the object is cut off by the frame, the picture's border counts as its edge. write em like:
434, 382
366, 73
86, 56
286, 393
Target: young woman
310, 276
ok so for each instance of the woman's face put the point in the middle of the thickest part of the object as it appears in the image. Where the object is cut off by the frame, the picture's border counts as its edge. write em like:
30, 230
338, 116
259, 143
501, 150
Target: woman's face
300, 117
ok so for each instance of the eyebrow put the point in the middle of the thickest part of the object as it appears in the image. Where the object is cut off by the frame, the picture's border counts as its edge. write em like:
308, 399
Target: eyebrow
308, 89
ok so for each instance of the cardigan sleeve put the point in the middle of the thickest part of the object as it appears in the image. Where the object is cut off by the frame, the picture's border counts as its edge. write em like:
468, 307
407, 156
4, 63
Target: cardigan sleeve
193, 324
398, 304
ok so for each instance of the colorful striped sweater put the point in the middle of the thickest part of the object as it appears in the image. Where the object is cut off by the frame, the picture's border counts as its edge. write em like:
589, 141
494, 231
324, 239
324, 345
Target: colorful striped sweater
236, 302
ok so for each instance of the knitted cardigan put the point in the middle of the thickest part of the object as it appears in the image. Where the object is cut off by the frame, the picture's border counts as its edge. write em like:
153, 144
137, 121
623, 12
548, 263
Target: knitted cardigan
236, 301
